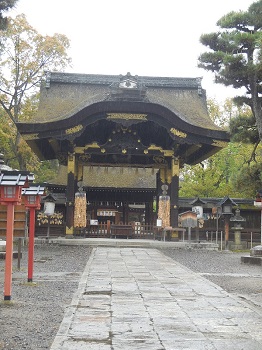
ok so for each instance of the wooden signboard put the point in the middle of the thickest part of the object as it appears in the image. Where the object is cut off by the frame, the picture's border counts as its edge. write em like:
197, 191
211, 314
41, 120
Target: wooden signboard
188, 219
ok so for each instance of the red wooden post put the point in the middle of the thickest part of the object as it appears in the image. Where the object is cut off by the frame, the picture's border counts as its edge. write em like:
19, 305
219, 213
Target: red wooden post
32, 196
9, 251
11, 183
31, 244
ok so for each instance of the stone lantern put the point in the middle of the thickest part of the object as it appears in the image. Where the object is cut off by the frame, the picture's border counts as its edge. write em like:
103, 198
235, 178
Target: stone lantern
238, 221
226, 205
197, 207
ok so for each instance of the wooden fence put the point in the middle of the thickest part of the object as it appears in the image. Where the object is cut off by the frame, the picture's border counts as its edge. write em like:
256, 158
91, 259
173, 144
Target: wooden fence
103, 230
141, 231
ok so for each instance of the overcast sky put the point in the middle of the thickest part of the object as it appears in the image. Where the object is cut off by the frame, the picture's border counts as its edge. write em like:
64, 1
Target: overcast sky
143, 37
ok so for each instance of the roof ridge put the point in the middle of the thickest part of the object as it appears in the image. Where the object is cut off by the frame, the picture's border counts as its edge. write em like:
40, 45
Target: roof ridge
102, 79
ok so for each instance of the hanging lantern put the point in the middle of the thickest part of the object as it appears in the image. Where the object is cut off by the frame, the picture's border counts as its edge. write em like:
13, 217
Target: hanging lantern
49, 204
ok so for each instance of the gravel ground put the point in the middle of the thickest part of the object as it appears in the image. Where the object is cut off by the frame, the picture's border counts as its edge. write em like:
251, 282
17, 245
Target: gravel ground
32, 318
223, 268
35, 312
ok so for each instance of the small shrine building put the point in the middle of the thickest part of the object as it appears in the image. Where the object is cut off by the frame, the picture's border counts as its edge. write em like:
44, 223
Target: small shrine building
121, 138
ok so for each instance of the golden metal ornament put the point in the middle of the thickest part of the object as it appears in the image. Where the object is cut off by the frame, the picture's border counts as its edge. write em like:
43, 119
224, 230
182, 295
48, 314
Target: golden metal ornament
30, 136
127, 116
219, 143
74, 130
178, 133
80, 150
168, 176
175, 167
162, 173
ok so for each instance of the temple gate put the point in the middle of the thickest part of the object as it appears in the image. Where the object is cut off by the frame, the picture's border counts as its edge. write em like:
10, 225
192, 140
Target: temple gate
130, 123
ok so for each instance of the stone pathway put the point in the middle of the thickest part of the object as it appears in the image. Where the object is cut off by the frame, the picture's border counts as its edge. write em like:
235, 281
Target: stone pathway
138, 298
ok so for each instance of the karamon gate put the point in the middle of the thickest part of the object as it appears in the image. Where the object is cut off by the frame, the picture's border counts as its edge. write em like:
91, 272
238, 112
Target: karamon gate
113, 134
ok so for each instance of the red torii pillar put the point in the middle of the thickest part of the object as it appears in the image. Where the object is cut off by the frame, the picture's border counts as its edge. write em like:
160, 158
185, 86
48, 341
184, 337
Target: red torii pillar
11, 183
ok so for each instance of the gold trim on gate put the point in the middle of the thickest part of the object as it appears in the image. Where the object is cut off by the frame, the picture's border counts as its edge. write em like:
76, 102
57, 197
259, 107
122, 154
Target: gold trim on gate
153, 147
168, 176
159, 159
219, 143
168, 153
30, 136
80, 150
74, 130
178, 133
126, 116
175, 167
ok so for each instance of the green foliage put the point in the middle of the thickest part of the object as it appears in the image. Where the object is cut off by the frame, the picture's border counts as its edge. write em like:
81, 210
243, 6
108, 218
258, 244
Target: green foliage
25, 57
234, 55
249, 179
235, 170
226, 173
47, 171
7, 132
244, 129
212, 178
44, 171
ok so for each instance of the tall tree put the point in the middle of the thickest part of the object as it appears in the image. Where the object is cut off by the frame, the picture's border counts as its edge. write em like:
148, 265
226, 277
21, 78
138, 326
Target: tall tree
26, 55
5, 5
234, 56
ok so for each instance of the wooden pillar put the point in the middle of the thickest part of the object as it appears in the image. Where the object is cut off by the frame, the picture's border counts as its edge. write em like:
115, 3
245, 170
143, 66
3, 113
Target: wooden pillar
125, 213
174, 189
226, 232
70, 194
94, 216
147, 213
158, 189
160, 180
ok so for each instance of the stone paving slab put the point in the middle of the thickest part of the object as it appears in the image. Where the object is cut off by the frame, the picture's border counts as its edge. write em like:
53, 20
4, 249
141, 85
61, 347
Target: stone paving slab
138, 298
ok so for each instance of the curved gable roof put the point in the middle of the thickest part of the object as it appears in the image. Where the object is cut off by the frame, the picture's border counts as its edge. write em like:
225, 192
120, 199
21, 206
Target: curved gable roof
64, 94
71, 103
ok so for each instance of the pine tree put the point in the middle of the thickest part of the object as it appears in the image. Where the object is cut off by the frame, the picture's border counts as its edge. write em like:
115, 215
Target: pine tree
234, 56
